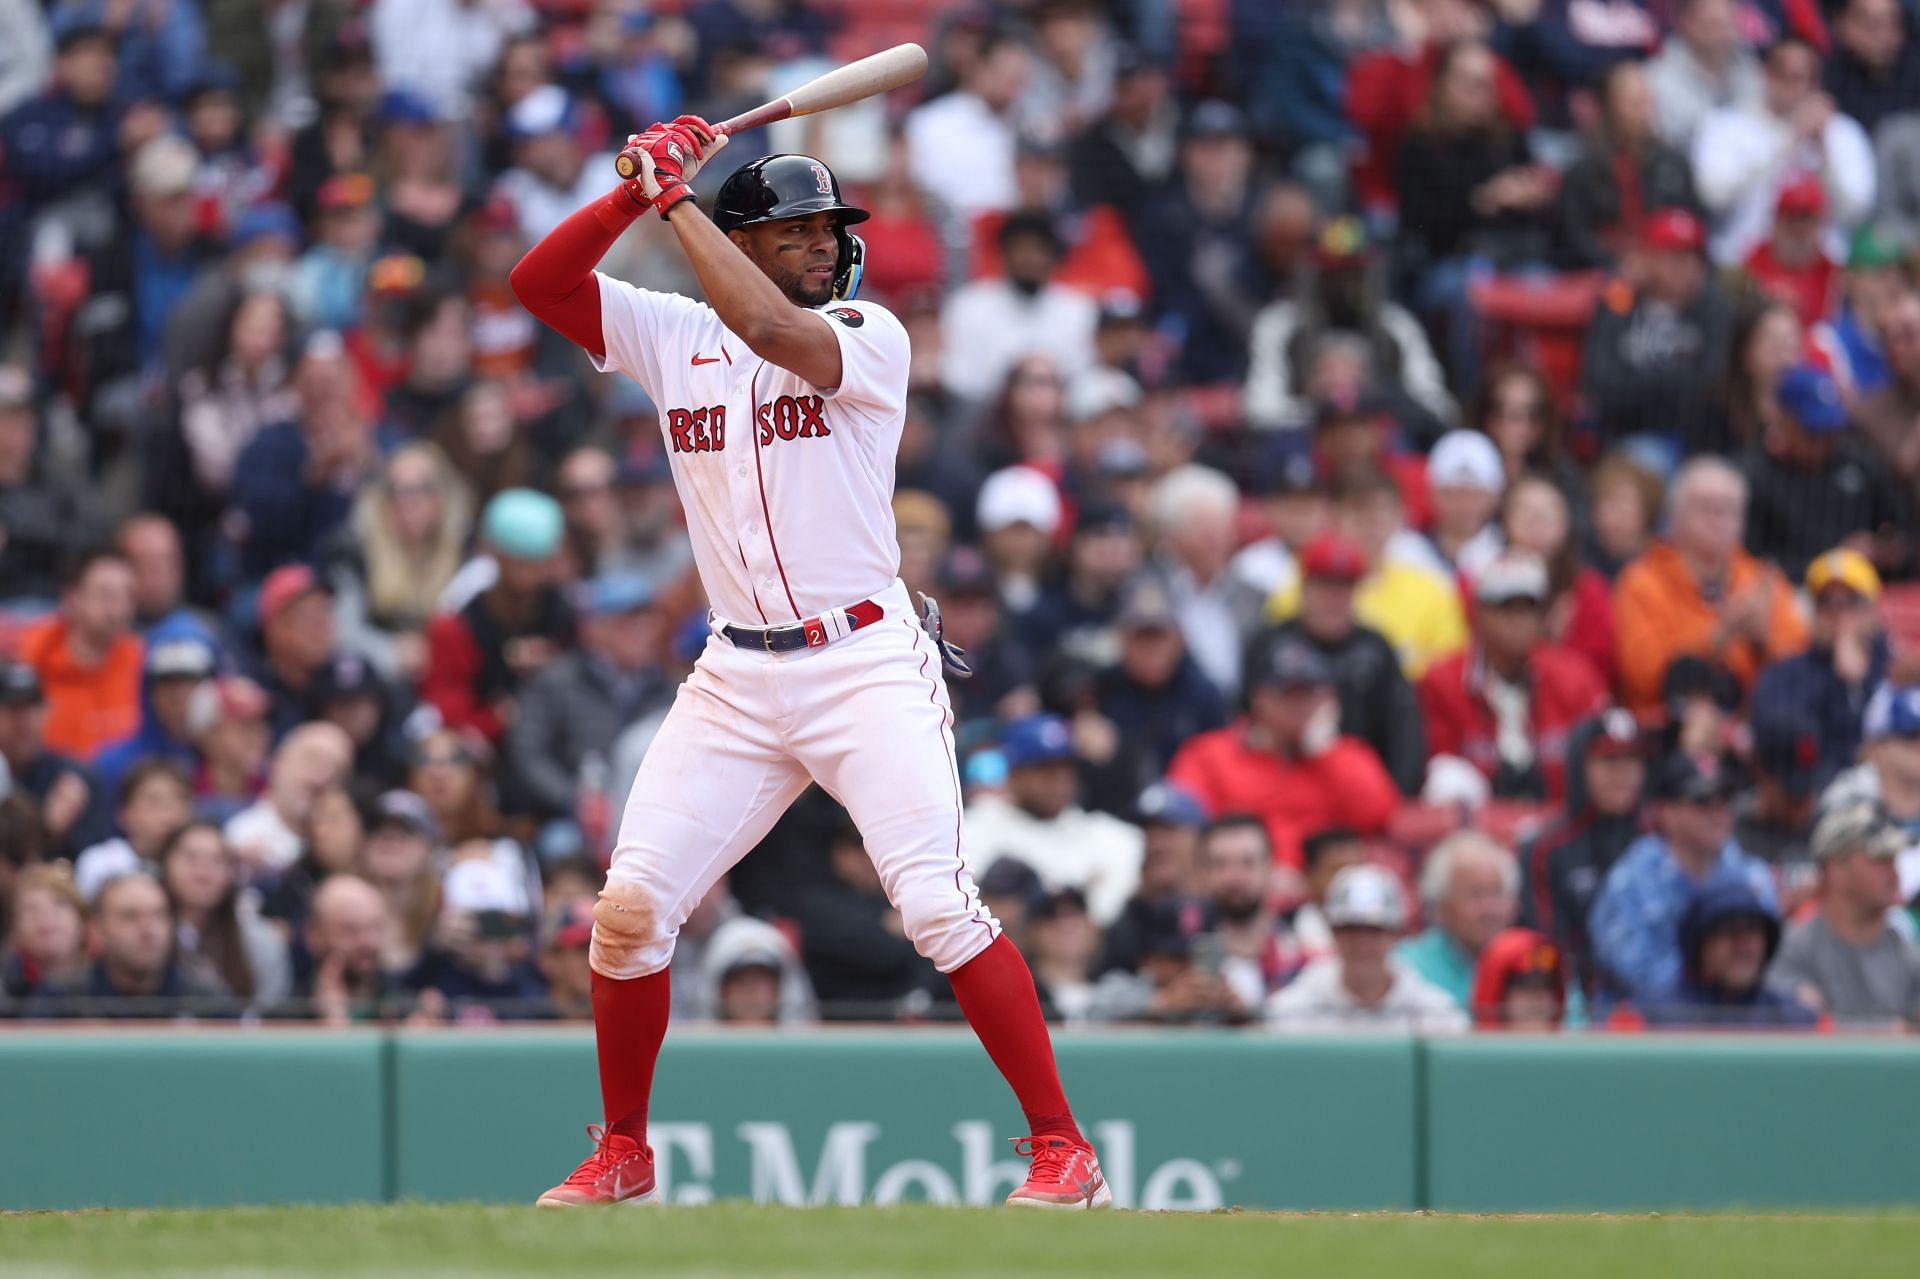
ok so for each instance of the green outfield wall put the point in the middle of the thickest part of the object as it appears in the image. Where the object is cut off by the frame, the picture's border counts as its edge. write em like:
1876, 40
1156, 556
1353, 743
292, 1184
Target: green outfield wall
1190, 1120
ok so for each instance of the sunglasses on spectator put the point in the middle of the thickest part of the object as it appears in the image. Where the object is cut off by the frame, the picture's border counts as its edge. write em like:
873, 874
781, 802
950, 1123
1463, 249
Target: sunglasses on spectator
569, 492
1841, 599
457, 757
1523, 408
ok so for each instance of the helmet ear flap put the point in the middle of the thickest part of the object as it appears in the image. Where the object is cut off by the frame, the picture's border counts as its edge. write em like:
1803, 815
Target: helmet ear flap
853, 256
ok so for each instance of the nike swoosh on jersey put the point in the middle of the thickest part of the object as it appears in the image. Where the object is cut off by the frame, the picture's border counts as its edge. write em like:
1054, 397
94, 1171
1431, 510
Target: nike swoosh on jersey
706, 359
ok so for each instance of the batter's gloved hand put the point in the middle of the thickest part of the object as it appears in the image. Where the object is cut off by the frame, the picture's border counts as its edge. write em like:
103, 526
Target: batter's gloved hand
661, 161
952, 656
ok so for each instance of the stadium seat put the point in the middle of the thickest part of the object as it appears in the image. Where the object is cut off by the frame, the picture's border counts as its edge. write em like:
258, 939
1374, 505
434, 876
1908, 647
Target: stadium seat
1539, 319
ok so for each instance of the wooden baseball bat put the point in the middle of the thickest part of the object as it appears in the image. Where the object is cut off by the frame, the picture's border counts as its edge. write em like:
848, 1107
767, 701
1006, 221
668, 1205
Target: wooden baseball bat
875, 73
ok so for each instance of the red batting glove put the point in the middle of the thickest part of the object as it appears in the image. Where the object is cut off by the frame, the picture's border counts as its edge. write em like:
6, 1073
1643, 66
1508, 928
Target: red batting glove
668, 155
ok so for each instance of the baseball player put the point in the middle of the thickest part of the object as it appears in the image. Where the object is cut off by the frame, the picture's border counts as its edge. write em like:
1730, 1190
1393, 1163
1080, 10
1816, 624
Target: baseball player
781, 404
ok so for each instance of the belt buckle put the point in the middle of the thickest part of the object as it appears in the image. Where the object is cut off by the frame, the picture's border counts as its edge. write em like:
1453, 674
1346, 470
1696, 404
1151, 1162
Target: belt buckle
766, 638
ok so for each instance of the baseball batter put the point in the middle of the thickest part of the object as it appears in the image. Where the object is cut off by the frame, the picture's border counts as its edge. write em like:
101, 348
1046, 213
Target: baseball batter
781, 402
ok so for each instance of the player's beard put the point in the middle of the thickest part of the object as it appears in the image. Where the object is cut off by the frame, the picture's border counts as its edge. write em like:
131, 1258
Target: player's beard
801, 289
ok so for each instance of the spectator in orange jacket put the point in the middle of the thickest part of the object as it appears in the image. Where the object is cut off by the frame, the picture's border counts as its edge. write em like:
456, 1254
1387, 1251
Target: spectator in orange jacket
1286, 762
1699, 592
1506, 704
88, 657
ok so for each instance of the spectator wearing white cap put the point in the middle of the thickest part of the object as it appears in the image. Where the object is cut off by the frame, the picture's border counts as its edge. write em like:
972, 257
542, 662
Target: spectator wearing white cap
750, 976
1847, 959
1507, 703
1018, 512
552, 173
1465, 482
1361, 986
481, 958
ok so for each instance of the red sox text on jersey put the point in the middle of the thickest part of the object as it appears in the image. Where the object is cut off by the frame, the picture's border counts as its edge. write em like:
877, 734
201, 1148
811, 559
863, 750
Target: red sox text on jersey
790, 417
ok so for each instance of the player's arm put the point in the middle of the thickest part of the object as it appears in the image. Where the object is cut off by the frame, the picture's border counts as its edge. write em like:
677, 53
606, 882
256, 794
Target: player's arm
752, 306
555, 280
746, 301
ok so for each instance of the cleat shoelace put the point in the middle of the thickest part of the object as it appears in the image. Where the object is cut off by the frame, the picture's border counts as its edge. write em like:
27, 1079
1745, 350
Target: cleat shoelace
1051, 1157
598, 1162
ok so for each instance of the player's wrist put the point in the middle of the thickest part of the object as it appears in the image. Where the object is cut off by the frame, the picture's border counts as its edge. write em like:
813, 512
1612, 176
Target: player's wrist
674, 192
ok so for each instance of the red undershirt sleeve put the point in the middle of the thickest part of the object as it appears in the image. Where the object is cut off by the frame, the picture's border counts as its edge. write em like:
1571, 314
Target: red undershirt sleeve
555, 280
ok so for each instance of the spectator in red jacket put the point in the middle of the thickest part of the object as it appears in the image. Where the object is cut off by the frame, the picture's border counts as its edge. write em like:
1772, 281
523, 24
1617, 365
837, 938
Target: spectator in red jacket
1792, 263
477, 656
1506, 704
1386, 90
1286, 762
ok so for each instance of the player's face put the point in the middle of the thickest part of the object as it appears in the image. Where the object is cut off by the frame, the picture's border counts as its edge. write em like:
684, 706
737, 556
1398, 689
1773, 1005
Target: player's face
800, 255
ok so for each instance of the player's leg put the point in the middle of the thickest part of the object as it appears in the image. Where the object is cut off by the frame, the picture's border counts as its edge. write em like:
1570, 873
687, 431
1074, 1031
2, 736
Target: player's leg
875, 732
714, 781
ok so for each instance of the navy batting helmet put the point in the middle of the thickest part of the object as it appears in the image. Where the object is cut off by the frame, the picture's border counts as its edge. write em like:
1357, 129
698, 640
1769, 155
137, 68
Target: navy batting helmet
790, 186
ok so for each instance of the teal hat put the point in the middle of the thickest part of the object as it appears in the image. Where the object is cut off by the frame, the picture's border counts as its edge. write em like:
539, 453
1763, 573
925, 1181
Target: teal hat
1869, 250
522, 524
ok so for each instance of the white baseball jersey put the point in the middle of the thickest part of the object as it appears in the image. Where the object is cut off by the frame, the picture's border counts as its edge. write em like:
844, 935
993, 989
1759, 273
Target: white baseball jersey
788, 490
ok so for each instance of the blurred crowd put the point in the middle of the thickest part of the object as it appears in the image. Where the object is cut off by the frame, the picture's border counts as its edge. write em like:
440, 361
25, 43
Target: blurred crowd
1427, 487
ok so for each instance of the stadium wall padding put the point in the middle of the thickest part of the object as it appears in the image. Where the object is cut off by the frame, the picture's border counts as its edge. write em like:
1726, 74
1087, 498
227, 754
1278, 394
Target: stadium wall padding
1193, 1119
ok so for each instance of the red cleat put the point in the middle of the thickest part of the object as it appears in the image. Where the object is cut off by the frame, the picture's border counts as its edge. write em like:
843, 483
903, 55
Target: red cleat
1063, 1176
619, 1171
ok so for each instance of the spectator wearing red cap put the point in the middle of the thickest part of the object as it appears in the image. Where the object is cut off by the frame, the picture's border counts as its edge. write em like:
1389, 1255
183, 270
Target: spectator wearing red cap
330, 279
1657, 348
1520, 983
88, 657
1743, 157
1506, 704
1401, 593
1699, 591
1376, 701
1624, 173
1792, 263
1286, 761
295, 608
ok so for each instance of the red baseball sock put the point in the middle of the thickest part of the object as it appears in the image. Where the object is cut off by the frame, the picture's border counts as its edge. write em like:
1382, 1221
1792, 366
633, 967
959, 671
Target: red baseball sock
629, 1021
995, 990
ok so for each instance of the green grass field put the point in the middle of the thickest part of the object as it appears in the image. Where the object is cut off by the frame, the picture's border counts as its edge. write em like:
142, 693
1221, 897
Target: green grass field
852, 1243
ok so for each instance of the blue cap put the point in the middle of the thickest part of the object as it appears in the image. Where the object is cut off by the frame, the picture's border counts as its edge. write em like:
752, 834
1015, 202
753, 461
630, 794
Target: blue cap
404, 106
611, 594
522, 524
1036, 739
1171, 805
545, 110
1810, 396
1893, 711
270, 217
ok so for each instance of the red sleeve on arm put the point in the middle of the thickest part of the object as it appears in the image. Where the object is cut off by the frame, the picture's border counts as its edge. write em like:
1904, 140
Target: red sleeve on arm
554, 281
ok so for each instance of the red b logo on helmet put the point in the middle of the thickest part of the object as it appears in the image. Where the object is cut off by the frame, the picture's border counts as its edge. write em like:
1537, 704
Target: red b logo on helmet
823, 178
